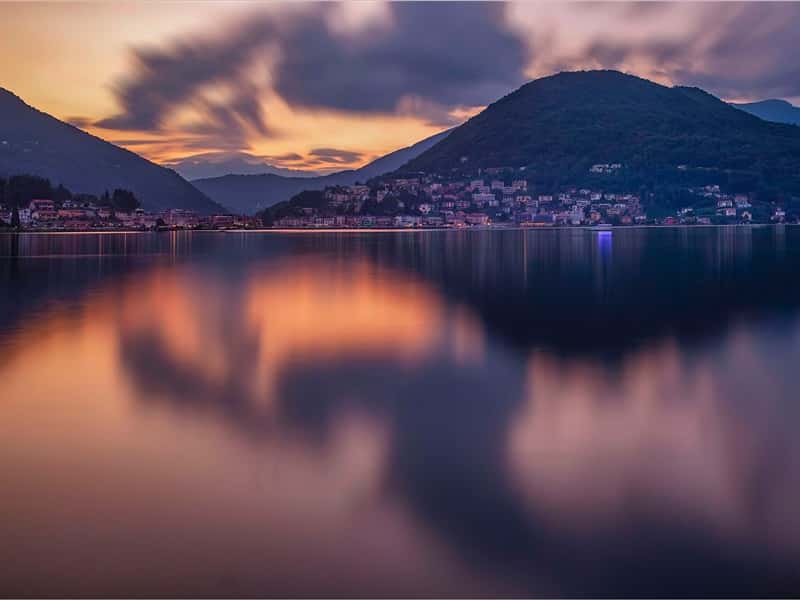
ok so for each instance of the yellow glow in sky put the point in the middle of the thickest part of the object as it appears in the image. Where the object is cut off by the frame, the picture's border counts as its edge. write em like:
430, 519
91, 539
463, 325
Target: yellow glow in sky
65, 58
71, 59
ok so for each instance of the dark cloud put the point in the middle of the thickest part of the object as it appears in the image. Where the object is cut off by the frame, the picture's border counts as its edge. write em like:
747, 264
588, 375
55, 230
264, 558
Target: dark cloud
79, 122
287, 157
444, 54
142, 142
228, 124
333, 156
164, 80
218, 141
734, 50
431, 57
753, 52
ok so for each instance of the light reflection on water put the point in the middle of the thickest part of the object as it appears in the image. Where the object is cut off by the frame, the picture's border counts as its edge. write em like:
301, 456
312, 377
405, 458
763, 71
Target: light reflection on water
438, 413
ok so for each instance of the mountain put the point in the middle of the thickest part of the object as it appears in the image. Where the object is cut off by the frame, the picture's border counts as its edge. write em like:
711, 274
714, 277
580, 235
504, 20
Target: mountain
32, 142
217, 164
394, 160
778, 111
559, 126
251, 193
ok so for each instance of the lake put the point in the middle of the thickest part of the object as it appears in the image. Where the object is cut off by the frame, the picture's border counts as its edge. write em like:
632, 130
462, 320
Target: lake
433, 413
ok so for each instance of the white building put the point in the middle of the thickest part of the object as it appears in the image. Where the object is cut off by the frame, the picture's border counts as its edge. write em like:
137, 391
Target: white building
481, 199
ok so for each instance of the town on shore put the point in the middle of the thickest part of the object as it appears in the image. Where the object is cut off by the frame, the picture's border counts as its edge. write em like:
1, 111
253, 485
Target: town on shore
33, 203
503, 197
46, 215
499, 198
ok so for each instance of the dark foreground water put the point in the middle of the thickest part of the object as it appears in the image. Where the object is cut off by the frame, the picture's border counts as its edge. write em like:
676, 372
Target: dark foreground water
484, 413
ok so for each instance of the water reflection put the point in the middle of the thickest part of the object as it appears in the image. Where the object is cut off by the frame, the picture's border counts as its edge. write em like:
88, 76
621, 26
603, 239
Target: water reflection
503, 413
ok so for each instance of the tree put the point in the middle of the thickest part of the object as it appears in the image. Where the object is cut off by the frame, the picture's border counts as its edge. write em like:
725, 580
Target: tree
124, 200
87, 199
15, 222
21, 189
61, 194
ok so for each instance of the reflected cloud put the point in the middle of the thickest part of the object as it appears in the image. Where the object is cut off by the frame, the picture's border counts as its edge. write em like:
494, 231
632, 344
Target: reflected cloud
286, 513
510, 463
232, 343
410, 414
314, 311
664, 437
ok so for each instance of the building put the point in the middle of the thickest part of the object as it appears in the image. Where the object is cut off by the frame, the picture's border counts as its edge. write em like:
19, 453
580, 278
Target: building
222, 221
477, 219
178, 217
407, 221
480, 199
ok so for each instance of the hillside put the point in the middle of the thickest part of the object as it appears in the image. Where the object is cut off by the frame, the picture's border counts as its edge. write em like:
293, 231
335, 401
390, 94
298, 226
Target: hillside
559, 126
251, 193
778, 111
32, 142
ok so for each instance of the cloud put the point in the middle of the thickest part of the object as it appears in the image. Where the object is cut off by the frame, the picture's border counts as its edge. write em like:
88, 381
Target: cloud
425, 57
752, 52
333, 156
437, 61
286, 157
162, 80
734, 50
215, 164
79, 122
443, 54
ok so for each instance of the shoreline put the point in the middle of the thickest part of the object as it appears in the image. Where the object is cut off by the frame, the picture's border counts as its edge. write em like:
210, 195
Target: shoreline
586, 228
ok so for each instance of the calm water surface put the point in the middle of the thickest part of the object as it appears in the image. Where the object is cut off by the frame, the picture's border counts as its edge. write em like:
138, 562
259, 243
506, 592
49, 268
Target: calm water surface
397, 414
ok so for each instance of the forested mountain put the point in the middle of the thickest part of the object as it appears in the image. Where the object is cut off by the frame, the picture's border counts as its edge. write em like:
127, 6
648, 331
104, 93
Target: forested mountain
557, 127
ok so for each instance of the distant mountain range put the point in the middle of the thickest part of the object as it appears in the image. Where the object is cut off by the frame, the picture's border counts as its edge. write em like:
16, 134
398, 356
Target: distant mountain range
251, 193
778, 111
32, 142
218, 164
557, 127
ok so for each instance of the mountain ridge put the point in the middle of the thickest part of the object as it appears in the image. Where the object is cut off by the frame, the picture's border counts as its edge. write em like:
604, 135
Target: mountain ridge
36, 143
252, 193
208, 165
562, 124
773, 109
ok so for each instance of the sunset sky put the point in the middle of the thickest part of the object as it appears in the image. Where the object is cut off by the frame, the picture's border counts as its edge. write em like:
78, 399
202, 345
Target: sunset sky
329, 86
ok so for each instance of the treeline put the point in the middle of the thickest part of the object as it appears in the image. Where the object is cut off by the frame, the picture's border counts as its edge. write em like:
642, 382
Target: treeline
17, 191
315, 199
293, 207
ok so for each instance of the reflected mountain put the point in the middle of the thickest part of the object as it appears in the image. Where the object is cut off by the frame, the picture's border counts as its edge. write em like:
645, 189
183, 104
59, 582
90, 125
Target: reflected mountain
496, 413
652, 471
579, 291
568, 291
